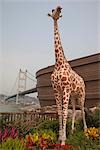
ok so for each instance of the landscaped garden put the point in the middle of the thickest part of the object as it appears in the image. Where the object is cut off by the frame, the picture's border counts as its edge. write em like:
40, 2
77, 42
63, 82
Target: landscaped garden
22, 136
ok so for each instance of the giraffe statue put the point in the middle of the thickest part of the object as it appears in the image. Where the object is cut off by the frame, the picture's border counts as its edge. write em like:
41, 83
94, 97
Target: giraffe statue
66, 83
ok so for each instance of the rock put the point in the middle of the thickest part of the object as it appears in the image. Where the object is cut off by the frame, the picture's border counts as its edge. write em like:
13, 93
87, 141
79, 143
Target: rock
93, 109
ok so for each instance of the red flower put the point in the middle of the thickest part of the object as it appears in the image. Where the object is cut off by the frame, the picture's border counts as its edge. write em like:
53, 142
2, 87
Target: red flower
57, 145
30, 147
45, 146
67, 146
55, 148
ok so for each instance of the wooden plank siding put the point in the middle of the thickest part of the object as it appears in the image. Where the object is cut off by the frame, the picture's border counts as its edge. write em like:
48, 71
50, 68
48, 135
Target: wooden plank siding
88, 67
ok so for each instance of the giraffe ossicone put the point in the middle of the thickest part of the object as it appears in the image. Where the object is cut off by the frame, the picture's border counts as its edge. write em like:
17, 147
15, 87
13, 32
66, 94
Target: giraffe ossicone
66, 83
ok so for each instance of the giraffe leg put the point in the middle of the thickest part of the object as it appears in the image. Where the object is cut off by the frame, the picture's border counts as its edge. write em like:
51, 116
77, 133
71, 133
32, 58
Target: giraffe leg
83, 115
66, 97
73, 116
81, 104
58, 98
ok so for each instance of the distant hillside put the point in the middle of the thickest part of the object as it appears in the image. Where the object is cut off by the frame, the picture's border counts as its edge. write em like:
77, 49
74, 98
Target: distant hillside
22, 100
28, 100
2, 98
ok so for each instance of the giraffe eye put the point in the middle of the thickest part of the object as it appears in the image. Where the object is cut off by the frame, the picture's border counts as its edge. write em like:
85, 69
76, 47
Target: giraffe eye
52, 10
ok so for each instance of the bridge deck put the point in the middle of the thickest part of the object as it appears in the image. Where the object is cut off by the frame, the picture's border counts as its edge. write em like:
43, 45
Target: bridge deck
33, 90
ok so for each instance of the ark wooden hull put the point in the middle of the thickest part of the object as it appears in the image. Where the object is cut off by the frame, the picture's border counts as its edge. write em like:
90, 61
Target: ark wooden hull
88, 67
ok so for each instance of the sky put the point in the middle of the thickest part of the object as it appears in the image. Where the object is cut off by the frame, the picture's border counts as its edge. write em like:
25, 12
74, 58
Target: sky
26, 35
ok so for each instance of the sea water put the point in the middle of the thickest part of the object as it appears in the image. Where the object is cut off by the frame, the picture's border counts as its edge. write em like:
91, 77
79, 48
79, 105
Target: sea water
9, 108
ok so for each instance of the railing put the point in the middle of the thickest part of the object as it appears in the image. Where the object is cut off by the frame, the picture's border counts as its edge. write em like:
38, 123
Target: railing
26, 116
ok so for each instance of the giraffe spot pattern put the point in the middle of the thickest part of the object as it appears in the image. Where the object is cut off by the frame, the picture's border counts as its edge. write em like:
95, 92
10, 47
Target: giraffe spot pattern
58, 42
57, 38
59, 62
65, 83
64, 78
65, 102
81, 89
73, 85
55, 42
56, 50
67, 90
78, 88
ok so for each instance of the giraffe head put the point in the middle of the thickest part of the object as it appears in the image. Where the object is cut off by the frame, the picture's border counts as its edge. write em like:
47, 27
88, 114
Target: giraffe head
56, 13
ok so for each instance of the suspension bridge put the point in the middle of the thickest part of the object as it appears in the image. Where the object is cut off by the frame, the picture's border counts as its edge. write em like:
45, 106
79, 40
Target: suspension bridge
20, 82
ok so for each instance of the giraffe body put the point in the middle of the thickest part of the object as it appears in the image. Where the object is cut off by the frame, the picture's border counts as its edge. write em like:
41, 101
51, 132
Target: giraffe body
66, 83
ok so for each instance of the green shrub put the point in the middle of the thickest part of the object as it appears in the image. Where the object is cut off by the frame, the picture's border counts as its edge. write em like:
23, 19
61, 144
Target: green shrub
78, 126
11, 144
93, 119
81, 142
2, 122
52, 125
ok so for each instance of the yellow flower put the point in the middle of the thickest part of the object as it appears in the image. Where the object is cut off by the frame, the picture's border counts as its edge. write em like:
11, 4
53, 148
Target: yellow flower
36, 137
92, 132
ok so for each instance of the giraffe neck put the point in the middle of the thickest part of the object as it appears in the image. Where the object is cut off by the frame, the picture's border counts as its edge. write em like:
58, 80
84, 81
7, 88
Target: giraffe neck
59, 53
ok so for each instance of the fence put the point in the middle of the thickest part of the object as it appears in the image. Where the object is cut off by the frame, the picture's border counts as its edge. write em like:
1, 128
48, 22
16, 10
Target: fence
26, 117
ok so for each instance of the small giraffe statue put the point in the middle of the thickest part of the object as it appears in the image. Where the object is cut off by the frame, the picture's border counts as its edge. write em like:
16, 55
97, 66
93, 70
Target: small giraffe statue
67, 84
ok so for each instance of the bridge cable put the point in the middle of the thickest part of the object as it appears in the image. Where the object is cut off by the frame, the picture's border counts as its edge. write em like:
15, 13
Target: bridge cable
31, 79
31, 74
35, 77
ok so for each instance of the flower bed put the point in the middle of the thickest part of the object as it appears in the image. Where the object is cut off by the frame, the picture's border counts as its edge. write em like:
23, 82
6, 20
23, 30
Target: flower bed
45, 135
47, 140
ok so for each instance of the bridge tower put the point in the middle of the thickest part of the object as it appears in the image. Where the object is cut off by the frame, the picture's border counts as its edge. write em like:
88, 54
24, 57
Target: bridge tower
21, 83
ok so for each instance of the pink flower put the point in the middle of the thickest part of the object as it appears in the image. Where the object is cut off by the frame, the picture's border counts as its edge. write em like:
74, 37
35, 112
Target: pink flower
5, 134
13, 133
